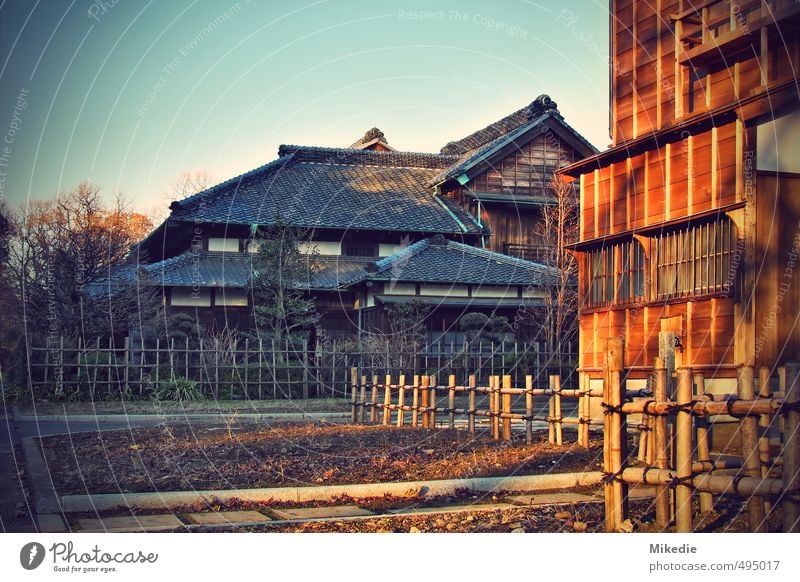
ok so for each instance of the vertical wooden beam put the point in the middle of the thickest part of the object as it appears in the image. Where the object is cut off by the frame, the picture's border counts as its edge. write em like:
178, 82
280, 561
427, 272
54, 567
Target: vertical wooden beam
426, 402
494, 405
615, 489
473, 383
387, 400
353, 395
373, 413
551, 411
557, 406
451, 401
764, 421
529, 409
660, 443
703, 441
791, 451
432, 391
748, 432
363, 399
507, 408
415, 403
401, 401
683, 452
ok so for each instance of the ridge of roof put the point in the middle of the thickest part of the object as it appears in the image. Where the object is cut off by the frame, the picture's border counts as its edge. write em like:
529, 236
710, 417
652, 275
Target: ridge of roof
350, 156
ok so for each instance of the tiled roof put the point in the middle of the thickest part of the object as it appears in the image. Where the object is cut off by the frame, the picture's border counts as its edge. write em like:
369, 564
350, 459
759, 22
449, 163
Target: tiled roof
335, 188
371, 137
220, 269
489, 133
437, 260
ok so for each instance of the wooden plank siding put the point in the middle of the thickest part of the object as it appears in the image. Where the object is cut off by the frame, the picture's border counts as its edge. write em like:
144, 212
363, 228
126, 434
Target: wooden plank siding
675, 183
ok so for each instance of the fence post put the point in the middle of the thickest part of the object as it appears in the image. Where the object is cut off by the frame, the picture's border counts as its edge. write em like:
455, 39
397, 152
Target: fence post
529, 409
473, 383
703, 443
451, 401
127, 355
615, 489
415, 402
260, 366
584, 409
683, 452
305, 371
401, 401
426, 395
557, 403
274, 371
494, 405
246, 369
387, 400
748, 432
432, 390
551, 411
507, 408
373, 413
764, 422
660, 443
354, 395
791, 450
363, 399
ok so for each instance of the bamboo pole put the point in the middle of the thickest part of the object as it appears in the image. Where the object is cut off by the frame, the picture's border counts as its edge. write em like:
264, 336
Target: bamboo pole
353, 395
373, 413
703, 444
401, 401
415, 403
451, 401
529, 409
708, 407
494, 405
261, 367
615, 489
557, 404
125, 369
426, 396
791, 451
507, 409
363, 399
432, 392
748, 433
683, 453
583, 413
764, 421
719, 484
473, 381
387, 400
551, 412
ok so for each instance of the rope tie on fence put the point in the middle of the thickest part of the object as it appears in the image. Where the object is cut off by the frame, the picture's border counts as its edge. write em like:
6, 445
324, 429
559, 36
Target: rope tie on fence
735, 483
646, 470
729, 404
608, 477
646, 409
687, 480
685, 407
611, 409
790, 406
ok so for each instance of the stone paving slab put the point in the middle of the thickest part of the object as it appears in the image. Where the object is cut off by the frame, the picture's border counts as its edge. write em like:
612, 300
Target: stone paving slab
552, 498
51, 523
227, 517
321, 512
138, 523
452, 508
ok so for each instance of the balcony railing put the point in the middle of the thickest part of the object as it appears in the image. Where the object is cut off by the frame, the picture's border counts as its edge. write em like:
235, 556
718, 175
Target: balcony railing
716, 31
535, 253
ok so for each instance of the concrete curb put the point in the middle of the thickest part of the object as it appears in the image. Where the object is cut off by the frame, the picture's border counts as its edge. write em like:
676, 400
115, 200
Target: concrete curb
170, 499
45, 499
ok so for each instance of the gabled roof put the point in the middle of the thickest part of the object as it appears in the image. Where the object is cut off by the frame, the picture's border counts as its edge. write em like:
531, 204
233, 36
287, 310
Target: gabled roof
437, 260
336, 188
373, 137
503, 137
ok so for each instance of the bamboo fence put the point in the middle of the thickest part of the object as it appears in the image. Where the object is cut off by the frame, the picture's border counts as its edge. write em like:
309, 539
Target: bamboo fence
684, 468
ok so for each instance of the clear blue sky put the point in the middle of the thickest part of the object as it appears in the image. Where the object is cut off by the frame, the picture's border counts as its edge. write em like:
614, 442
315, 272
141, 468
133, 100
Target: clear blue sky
128, 94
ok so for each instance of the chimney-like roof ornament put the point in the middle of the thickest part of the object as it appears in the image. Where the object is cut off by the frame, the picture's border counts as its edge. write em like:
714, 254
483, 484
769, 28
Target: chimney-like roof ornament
541, 104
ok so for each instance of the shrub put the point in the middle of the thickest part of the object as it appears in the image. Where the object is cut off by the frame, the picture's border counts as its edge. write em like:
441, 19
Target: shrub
179, 389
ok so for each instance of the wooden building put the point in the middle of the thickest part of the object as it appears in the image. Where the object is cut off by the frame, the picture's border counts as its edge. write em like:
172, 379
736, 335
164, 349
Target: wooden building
690, 222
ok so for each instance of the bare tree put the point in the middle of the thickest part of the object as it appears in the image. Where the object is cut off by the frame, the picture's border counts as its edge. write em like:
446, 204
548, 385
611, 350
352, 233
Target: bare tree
560, 227
190, 182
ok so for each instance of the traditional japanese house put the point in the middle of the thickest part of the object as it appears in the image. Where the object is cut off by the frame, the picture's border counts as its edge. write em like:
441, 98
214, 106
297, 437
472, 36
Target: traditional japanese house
389, 226
689, 222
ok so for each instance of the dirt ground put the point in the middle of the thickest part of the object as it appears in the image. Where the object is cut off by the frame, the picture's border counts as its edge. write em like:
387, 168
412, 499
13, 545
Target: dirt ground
189, 457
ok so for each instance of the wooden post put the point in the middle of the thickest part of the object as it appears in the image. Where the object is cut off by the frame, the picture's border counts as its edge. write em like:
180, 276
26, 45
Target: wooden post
791, 451
615, 489
387, 400
216, 368
529, 409
683, 453
415, 402
703, 441
260, 367
373, 413
432, 399
473, 383
660, 443
551, 412
305, 379
451, 401
247, 369
494, 405
557, 406
748, 432
507, 408
363, 400
353, 395
426, 395
401, 401
127, 356
274, 371
764, 421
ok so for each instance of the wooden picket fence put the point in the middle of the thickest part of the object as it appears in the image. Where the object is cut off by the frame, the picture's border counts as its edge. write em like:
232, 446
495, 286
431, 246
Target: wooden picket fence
674, 445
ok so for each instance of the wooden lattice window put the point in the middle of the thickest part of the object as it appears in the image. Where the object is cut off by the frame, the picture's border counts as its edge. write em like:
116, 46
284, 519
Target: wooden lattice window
616, 274
695, 261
